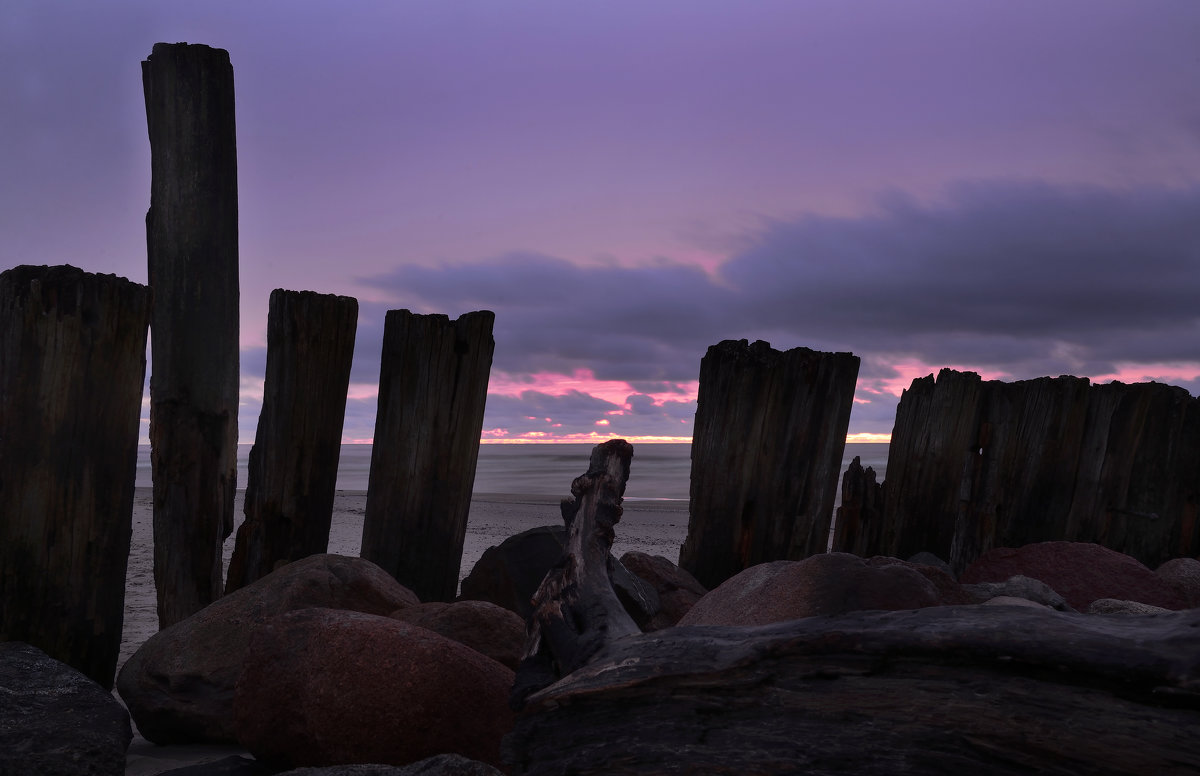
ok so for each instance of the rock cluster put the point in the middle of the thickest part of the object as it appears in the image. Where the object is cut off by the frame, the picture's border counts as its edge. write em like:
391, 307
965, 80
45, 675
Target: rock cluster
328, 664
329, 661
179, 684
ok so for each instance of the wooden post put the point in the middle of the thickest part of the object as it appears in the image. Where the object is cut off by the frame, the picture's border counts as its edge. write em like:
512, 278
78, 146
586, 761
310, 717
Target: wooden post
432, 388
576, 610
294, 461
860, 516
72, 368
766, 454
191, 240
975, 465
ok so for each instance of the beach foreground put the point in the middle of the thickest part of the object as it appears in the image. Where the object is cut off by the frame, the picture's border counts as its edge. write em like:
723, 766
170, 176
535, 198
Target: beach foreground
652, 527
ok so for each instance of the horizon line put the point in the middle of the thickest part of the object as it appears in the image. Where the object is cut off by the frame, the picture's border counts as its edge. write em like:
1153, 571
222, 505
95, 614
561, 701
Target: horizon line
863, 437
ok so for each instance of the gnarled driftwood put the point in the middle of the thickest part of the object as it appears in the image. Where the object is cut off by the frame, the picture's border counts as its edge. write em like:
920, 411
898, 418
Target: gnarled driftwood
576, 611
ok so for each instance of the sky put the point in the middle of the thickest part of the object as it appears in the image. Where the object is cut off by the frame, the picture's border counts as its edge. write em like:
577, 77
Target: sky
1007, 187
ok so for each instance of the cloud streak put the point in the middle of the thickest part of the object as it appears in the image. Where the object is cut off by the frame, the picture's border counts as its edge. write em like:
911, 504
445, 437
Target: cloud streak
1012, 279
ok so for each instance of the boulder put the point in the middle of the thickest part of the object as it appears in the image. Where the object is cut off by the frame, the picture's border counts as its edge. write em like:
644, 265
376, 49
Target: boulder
439, 765
54, 721
825, 584
484, 627
332, 687
509, 574
1114, 606
1183, 575
179, 684
949, 591
1020, 586
678, 591
1012, 600
929, 559
232, 765
1079, 571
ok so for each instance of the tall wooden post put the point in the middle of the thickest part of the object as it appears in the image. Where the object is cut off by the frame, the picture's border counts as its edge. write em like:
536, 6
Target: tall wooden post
294, 461
72, 367
766, 454
192, 245
432, 388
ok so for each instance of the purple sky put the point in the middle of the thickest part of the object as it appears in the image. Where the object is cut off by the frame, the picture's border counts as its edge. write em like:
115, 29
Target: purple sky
1011, 187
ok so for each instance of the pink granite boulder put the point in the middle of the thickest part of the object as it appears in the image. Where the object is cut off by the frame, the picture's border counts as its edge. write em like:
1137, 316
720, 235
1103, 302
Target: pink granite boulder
332, 687
950, 592
678, 591
825, 584
1183, 575
484, 627
179, 685
1080, 572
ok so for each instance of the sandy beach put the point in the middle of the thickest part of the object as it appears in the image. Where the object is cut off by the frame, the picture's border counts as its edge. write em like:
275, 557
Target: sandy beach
650, 526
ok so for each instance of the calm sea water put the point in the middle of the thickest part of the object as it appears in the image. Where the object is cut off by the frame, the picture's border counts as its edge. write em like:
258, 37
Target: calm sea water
659, 471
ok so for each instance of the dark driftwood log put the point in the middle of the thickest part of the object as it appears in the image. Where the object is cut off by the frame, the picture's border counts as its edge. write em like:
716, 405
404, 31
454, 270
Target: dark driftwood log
72, 369
981, 690
192, 245
432, 389
974, 465
576, 611
766, 454
860, 517
293, 465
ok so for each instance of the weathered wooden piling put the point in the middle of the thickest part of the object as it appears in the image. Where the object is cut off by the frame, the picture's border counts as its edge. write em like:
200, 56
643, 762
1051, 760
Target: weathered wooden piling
766, 454
192, 245
432, 389
72, 369
860, 516
293, 465
974, 465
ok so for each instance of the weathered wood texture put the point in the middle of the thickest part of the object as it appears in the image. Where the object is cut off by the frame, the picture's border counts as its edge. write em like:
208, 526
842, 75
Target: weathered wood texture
576, 609
192, 245
974, 465
293, 468
432, 388
766, 454
943, 690
72, 369
860, 516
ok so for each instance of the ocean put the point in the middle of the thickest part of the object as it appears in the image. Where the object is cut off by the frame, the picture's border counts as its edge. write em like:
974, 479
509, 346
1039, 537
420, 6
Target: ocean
659, 471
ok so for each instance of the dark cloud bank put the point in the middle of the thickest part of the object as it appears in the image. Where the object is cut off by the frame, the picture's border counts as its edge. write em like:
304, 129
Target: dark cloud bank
1020, 279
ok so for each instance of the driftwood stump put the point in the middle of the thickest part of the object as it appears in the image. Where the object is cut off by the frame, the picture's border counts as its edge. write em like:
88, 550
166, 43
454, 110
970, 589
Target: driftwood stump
984, 690
192, 246
293, 468
433, 381
576, 610
766, 454
72, 369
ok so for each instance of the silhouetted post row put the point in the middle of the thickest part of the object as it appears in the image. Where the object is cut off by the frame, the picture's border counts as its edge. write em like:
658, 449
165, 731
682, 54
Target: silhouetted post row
978, 464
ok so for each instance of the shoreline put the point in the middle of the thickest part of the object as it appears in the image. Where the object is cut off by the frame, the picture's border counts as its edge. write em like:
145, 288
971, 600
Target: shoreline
653, 526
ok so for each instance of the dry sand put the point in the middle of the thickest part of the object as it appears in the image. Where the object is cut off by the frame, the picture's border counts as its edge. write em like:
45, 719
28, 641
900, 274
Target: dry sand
653, 527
